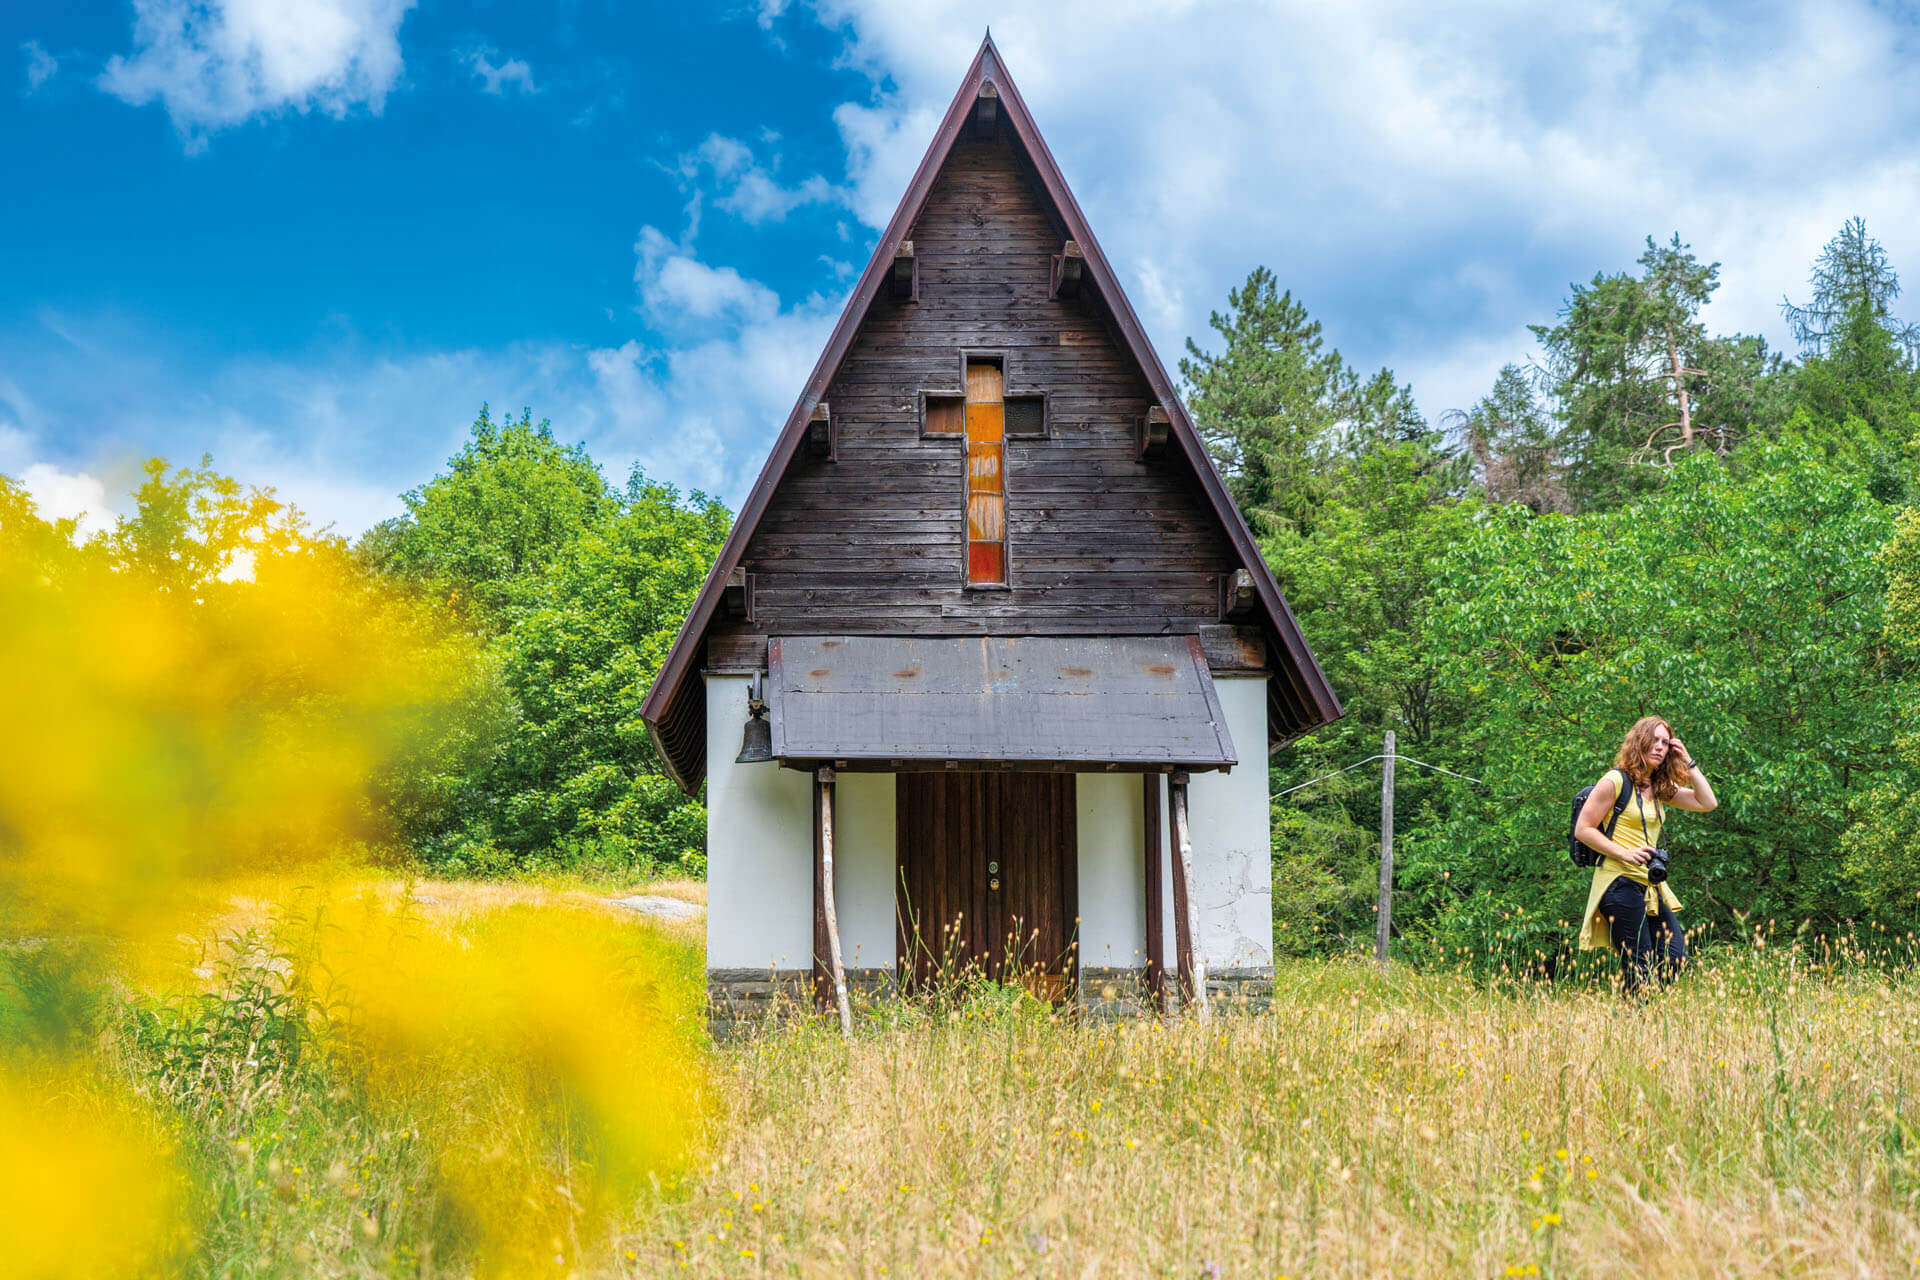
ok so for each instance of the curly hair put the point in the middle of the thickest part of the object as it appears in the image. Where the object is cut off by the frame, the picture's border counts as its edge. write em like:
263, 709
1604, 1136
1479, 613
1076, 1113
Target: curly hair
1633, 759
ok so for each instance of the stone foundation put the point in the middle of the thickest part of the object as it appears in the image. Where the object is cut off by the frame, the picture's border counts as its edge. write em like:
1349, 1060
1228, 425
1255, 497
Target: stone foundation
739, 1001
1112, 994
1248, 990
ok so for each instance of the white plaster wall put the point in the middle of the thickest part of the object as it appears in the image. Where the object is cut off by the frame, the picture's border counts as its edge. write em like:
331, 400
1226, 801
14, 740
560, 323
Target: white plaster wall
759, 848
1232, 842
1111, 825
760, 854
863, 869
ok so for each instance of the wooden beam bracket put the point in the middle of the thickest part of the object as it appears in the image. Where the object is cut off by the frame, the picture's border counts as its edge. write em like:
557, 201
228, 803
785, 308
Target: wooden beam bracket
1237, 596
1068, 266
820, 433
1153, 434
903, 282
738, 600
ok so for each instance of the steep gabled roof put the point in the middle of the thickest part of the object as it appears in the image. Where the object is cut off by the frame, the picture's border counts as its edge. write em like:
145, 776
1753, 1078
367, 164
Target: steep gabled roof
1300, 699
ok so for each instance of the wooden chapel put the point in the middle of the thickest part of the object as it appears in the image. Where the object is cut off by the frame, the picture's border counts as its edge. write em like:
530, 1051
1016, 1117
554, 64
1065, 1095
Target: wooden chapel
1011, 656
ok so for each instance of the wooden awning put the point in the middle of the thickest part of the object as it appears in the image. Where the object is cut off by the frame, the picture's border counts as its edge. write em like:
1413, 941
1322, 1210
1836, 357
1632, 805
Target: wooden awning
1028, 702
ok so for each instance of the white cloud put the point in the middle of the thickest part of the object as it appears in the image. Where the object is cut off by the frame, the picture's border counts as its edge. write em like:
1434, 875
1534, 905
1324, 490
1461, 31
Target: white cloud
676, 286
342, 433
746, 188
63, 495
701, 404
215, 63
1427, 179
41, 65
494, 79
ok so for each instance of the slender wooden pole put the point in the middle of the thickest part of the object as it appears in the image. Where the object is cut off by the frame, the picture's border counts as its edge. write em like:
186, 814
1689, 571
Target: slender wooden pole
1156, 927
1190, 959
825, 779
1383, 920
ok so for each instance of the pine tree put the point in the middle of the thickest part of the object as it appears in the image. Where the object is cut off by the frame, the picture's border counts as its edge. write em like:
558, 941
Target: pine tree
1268, 405
1629, 363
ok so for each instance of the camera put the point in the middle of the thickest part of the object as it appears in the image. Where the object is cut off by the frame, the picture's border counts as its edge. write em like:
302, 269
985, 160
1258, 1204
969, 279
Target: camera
1657, 867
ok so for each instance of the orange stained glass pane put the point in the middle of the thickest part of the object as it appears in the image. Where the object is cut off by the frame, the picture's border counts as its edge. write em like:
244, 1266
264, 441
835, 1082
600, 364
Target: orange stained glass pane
986, 562
987, 517
985, 383
946, 415
985, 468
986, 422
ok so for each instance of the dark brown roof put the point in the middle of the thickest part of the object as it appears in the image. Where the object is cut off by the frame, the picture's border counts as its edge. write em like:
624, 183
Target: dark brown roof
1299, 697
1028, 700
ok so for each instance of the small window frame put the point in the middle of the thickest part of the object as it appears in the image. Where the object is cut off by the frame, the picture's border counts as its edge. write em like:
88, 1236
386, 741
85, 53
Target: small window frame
1010, 390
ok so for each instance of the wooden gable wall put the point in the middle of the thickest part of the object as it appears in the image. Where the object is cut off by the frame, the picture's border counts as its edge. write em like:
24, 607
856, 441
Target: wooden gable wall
874, 541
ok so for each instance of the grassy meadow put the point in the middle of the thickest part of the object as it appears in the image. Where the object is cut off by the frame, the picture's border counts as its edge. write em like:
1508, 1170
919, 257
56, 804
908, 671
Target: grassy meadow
488, 1105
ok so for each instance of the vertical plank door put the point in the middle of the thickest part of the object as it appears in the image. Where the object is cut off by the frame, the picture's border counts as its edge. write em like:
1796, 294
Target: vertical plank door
988, 878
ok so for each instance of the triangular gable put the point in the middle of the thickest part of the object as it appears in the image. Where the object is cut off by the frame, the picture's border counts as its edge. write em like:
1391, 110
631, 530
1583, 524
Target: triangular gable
1300, 699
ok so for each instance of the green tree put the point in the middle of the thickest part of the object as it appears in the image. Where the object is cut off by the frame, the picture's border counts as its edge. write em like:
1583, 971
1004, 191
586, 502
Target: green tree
1362, 583
1747, 610
191, 527
1881, 844
1512, 442
1629, 363
1269, 403
579, 783
485, 531
1858, 389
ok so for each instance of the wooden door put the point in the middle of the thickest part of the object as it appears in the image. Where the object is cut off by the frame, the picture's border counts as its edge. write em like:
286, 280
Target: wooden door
988, 869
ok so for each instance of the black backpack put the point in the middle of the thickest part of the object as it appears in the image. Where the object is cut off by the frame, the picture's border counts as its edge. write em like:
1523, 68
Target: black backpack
1582, 855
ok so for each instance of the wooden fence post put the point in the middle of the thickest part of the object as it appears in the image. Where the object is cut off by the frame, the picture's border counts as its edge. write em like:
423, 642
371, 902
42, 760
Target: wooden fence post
1383, 921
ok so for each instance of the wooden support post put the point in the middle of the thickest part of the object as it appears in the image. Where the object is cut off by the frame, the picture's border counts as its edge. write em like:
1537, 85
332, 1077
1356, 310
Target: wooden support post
1193, 970
825, 918
1383, 921
1156, 905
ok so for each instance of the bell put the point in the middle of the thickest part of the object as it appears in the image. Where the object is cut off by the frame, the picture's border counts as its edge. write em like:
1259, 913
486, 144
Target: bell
756, 744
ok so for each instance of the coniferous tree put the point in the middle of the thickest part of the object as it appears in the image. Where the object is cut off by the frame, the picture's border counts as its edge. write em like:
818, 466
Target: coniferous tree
1859, 360
1511, 440
1630, 363
1269, 403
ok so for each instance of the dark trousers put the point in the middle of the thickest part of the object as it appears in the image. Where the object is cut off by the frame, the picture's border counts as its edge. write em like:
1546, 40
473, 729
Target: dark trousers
1649, 946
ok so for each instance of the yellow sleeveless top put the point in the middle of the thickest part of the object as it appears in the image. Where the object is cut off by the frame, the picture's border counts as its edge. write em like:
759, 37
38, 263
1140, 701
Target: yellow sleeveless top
1641, 823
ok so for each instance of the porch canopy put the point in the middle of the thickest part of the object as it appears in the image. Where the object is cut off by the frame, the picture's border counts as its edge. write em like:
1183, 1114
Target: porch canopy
1081, 703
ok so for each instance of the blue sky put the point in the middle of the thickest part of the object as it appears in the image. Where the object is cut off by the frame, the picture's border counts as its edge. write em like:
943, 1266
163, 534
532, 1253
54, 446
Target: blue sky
311, 236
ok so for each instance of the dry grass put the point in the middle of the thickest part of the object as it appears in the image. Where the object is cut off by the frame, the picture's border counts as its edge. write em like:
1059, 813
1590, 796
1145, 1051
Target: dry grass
1758, 1120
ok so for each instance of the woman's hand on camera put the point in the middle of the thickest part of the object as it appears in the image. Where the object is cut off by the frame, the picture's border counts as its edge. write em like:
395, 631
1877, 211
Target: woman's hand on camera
1638, 857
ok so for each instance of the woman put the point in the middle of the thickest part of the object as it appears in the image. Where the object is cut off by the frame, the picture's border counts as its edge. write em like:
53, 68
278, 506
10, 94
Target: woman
1625, 910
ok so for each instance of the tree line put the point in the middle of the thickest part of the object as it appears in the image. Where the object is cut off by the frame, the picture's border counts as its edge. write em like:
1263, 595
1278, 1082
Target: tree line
1650, 518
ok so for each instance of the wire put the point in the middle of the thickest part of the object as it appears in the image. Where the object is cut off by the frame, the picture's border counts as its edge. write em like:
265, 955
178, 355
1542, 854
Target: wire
1437, 769
1369, 760
1323, 777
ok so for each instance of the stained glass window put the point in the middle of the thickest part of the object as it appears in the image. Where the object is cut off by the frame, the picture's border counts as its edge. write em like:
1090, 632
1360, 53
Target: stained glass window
986, 475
